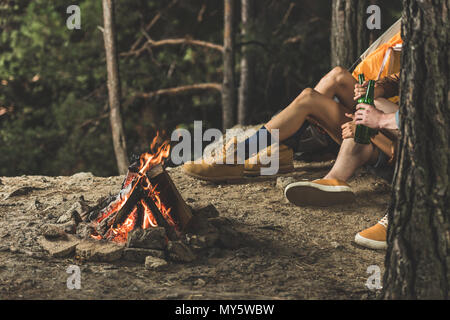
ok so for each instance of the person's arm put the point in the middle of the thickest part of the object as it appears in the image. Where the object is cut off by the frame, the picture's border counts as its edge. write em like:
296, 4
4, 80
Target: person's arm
385, 88
388, 86
376, 119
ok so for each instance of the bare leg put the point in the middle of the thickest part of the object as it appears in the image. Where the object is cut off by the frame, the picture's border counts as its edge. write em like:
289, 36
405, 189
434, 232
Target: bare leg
351, 156
314, 106
340, 83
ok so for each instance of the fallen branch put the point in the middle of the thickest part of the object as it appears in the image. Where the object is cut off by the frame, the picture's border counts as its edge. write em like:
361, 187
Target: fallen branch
181, 89
159, 43
185, 41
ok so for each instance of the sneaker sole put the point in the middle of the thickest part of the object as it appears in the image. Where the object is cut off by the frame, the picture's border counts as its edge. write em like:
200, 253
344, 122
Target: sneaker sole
371, 244
311, 194
257, 173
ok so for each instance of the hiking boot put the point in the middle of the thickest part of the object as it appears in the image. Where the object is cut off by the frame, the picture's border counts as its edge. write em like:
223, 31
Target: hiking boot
375, 236
211, 169
286, 160
322, 192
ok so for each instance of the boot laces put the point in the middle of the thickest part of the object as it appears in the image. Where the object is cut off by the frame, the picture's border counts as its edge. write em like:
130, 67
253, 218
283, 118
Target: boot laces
384, 221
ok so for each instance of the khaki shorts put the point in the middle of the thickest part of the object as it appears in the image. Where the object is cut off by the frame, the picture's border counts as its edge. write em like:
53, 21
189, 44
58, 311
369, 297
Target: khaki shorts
387, 141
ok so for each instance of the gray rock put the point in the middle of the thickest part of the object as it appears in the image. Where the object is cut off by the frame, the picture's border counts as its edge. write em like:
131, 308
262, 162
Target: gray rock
180, 252
150, 238
53, 232
59, 248
139, 254
74, 213
22, 191
104, 251
82, 176
154, 263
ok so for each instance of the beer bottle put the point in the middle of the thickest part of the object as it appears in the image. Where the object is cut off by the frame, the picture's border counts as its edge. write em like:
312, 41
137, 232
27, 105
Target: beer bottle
361, 82
363, 133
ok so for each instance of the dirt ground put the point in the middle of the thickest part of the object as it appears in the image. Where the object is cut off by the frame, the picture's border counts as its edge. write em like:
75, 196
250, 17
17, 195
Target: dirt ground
287, 252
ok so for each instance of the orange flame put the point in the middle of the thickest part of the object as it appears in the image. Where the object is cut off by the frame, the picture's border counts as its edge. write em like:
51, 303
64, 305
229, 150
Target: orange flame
147, 161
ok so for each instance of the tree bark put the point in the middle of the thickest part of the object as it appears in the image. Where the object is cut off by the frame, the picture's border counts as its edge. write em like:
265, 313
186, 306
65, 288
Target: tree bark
118, 135
349, 34
418, 256
247, 62
228, 87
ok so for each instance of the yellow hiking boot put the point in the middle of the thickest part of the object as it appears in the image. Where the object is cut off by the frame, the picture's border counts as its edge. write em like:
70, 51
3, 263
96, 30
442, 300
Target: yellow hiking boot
322, 192
375, 236
286, 160
211, 169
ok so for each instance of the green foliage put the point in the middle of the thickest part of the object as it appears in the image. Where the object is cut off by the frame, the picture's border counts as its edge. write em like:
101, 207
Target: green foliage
53, 80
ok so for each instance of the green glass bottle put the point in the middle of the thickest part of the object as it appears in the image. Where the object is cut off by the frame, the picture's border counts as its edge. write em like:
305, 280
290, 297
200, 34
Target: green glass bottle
361, 82
363, 133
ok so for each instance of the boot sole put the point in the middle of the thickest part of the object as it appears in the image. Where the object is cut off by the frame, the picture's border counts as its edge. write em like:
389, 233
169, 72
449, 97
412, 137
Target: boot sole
285, 169
215, 179
257, 173
309, 194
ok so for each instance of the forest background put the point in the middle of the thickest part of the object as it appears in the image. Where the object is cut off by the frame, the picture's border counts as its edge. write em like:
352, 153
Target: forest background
53, 92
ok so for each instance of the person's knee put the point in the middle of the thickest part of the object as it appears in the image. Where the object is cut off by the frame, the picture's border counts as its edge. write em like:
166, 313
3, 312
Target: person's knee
339, 74
307, 93
304, 96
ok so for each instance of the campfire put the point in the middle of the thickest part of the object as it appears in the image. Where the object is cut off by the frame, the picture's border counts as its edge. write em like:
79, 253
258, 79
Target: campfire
148, 199
147, 221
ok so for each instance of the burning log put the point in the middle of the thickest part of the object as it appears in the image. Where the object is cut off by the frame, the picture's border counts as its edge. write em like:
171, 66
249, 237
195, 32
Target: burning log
136, 195
160, 220
180, 211
148, 199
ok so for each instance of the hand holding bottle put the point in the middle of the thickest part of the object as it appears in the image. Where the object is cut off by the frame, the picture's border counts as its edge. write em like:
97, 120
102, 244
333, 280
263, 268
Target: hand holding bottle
368, 116
361, 89
348, 128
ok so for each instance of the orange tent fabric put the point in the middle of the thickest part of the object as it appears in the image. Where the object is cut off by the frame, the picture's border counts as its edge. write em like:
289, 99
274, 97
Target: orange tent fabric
372, 64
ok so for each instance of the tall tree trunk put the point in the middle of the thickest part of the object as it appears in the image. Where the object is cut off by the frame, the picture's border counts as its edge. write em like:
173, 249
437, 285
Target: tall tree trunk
247, 62
418, 256
228, 87
349, 33
118, 135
